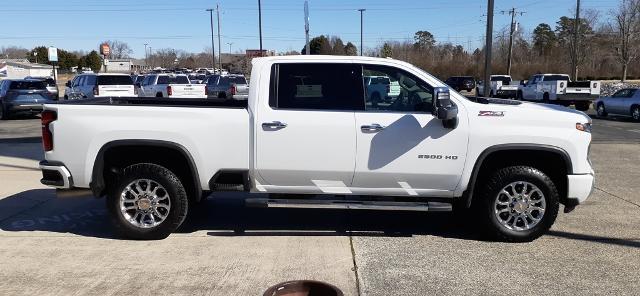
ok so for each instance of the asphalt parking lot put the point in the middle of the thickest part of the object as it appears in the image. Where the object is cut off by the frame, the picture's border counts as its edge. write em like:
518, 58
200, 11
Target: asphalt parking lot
66, 246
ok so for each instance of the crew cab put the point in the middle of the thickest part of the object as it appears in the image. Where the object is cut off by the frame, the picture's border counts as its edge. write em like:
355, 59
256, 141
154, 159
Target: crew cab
501, 87
559, 89
309, 137
170, 86
88, 86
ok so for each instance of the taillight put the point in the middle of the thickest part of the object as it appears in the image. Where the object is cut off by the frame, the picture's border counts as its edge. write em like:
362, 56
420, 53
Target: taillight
232, 90
169, 91
206, 91
96, 92
47, 117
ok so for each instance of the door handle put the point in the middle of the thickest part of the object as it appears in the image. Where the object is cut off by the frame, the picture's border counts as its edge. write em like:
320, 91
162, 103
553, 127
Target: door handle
374, 127
274, 125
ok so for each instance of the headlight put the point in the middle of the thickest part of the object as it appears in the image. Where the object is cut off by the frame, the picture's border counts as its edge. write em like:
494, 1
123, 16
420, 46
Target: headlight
584, 127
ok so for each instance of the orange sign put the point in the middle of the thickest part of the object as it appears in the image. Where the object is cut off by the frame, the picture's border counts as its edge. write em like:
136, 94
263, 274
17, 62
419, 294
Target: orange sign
104, 49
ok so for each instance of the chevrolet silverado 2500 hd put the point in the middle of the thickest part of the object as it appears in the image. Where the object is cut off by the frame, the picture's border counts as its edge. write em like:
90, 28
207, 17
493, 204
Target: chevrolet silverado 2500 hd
308, 129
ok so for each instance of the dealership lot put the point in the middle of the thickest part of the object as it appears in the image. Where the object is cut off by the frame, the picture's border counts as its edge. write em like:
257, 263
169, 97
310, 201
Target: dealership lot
66, 246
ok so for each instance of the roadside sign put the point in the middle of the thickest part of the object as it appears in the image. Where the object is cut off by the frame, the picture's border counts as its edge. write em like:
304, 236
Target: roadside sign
53, 54
105, 49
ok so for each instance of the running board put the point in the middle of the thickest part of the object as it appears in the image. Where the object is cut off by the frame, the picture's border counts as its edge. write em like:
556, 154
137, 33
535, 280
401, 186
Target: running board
349, 204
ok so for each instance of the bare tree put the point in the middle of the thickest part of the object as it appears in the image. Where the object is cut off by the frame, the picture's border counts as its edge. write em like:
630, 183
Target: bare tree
118, 49
13, 52
626, 25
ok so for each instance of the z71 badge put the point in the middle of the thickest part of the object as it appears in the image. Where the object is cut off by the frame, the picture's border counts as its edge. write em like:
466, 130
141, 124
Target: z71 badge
491, 113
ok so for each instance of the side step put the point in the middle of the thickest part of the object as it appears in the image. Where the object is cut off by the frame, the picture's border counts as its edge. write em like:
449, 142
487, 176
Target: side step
349, 204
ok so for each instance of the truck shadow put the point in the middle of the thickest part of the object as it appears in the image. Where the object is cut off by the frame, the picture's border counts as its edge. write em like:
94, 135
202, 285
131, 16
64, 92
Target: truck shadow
39, 210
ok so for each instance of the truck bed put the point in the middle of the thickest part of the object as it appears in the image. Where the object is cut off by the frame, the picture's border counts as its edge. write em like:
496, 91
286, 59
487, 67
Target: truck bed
158, 102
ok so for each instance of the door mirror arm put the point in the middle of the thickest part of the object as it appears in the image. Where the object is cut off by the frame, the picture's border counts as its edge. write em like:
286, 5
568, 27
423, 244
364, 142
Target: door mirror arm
443, 107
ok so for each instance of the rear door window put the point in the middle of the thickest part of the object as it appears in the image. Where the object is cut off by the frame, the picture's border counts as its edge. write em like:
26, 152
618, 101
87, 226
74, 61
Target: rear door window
321, 86
90, 80
115, 80
27, 85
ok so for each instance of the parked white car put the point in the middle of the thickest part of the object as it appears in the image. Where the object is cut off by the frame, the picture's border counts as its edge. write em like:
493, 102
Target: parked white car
170, 86
87, 86
308, 130
559, 89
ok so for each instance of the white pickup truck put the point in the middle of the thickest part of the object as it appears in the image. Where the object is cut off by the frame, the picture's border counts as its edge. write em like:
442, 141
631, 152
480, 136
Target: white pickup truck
170, 86
559, 89
309, 137
501, 87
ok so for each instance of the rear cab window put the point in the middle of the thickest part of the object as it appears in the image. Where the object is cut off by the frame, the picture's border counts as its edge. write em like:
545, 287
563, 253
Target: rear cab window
114, 80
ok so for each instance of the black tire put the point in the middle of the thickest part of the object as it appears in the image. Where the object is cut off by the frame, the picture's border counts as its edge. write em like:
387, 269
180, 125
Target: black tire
545, 98
485, 206
4, 114
601, 111
635, 113
519, 95
159, 95
582, 106
179, 204
222, 95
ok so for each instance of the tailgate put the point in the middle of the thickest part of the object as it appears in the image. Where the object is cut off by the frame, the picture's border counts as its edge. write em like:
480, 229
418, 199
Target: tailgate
187, 90
116, 91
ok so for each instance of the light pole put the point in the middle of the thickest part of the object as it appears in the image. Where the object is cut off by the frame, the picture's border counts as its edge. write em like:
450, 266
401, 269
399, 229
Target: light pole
260, 25
576, 29
35, 54
487, 48
145, 55
230, 43
219, 46
361, 27
213, 48
151, 54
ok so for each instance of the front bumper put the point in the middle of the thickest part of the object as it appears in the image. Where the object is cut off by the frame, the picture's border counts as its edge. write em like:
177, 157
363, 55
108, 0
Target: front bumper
56, 175
579, 187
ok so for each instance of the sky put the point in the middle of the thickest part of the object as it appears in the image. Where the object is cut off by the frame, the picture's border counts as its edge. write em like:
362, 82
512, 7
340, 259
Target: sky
185, 24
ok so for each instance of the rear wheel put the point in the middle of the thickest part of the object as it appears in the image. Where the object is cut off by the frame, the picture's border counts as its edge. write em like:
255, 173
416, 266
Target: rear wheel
600, 111
148, 201
545, 98
519, 95
518, 204
635, 113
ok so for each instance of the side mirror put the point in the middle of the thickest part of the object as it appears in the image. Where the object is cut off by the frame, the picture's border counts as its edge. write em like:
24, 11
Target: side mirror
523, 82
68, 84
443, 107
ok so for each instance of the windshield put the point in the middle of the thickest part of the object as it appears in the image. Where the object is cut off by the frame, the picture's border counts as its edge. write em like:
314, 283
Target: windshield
115, 80
504, 79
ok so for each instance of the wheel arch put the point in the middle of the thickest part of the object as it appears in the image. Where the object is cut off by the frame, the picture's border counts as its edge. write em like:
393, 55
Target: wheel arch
503, 155
154, 151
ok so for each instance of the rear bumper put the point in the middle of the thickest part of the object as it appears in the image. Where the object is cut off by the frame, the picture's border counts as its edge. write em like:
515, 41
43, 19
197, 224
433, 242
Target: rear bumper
577, 97
240, 97
579, 188
55, 174
506, 93
25, 107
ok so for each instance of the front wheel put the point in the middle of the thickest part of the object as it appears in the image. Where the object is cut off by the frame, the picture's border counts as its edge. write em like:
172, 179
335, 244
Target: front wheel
148, 201
518, 204
600, 111
582, 106
635, 113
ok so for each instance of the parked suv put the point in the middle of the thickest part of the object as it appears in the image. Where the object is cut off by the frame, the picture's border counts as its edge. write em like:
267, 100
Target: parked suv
51, 84
461, 83
85, 86
23, 97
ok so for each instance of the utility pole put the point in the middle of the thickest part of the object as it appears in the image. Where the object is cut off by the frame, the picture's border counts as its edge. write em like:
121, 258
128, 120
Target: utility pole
306, 27
219, 45
146, 62
213, 48
230, 43
260, 24
513, 13
361, 28
487, 48
576, 28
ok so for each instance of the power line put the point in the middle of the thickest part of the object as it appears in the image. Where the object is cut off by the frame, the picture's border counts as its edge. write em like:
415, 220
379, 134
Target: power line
513, 28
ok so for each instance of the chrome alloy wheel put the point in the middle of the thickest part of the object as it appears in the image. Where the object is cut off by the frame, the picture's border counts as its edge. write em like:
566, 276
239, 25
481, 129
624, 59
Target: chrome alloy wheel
519, 206
145, 203
600, 110
636, 114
